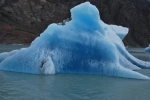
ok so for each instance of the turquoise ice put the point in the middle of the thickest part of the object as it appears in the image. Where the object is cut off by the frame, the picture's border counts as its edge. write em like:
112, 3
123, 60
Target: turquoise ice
84, 45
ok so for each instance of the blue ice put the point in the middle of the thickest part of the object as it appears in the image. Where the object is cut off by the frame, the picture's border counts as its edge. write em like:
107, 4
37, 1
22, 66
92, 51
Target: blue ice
84, 45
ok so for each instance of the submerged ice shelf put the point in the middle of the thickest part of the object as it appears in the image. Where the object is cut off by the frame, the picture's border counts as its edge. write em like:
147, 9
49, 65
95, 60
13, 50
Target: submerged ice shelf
84, 45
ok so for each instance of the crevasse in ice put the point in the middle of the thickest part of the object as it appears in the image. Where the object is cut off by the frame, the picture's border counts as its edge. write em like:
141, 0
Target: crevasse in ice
84, 45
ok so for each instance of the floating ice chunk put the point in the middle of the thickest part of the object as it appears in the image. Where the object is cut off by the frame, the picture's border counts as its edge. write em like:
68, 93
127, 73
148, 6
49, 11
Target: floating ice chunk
84, 45
147, 49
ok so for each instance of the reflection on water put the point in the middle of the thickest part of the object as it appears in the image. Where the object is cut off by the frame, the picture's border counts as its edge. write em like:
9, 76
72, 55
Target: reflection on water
20, 86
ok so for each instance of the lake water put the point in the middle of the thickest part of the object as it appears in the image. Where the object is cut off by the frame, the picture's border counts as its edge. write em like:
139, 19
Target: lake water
20, 86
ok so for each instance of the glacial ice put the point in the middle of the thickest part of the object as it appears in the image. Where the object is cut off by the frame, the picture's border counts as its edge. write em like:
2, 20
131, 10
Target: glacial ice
84, 45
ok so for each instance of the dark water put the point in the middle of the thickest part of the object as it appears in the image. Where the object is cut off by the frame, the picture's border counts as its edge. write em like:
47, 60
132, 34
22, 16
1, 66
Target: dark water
139, 53
7, 48
20, 86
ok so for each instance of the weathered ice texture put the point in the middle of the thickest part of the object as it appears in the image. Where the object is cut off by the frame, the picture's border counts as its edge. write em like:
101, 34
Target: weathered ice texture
34, 16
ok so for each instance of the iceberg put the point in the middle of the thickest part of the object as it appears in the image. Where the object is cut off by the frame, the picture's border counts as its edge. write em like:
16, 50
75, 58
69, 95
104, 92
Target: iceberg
83, 45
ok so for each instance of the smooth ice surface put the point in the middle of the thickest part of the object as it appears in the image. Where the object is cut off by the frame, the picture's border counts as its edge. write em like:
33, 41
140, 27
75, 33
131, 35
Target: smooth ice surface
84, 45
